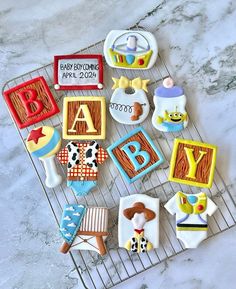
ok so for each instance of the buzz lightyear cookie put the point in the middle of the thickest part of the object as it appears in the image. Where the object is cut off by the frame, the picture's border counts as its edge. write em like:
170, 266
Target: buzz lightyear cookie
170, 114
129, 103
44, 142
130, 49
191, 212
84, 228
138, 227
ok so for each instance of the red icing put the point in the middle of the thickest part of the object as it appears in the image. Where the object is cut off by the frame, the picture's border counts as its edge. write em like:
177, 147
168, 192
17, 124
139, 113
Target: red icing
139, 231
35, 135
140, 61
200, 207
41, 112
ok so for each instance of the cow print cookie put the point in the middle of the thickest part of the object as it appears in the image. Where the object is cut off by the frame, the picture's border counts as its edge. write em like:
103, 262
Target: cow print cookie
138, 228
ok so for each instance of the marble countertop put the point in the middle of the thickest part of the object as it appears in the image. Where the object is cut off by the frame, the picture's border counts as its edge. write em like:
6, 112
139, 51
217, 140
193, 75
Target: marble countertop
197, 40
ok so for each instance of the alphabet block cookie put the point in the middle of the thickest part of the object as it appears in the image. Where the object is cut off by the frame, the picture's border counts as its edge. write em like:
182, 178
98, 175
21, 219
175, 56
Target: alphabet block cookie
31, 102
169, 114
73, 72
84, 228
129, 108
135, 154
191, 216
82, 161
193, 163
138, 227
84, 117
130, 49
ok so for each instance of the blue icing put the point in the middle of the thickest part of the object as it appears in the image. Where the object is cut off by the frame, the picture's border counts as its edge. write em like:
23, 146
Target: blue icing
71, 219
169, 92
173, 127
130, 58
192, 199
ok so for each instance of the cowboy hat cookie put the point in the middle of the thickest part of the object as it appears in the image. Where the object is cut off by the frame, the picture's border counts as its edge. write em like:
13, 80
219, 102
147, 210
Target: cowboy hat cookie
129, 49
169, 114
84, 228
138, 227
191, 212
44, 142
132, 107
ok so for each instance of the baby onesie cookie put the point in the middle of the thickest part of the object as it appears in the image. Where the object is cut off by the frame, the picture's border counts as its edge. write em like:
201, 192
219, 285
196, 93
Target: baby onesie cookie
193, 163
82, 161
135, 155
84, 228
138, 227
191, 216
72, 72
130, 49
169, 114
31, 102
129, 108
84, 117
44, 142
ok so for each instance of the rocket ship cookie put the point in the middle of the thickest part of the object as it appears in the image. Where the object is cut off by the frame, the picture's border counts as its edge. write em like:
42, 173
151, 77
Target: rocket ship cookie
129, 108
169, 114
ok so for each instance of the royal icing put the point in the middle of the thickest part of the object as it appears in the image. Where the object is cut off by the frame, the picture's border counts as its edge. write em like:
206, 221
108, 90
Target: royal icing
84, 228
44, 142
191, 212
138, 227
169, 114
129, 108
130, 49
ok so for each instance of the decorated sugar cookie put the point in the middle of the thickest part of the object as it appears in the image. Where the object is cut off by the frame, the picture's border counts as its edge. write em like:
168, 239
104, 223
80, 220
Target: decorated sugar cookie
193, 163
191, 216
82, 161
84, 228
130, 49
169, 114
138, 228
44, 142
129, 108
135, 155
84, 117
78, 71
31, 102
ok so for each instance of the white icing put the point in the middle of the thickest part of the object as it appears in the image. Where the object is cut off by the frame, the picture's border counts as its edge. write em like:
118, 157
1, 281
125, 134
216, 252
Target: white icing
121, 98
138, 221
114, 34
126, 227
73, 225
67, 218
76, 214
70, 209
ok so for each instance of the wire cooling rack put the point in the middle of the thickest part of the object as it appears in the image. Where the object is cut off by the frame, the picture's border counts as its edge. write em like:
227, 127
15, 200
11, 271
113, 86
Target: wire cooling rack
118, 264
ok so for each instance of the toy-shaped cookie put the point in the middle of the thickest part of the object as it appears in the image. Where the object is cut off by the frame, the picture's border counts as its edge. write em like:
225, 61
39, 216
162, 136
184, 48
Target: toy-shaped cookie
191, 216
169, 114
138, 228
84, 228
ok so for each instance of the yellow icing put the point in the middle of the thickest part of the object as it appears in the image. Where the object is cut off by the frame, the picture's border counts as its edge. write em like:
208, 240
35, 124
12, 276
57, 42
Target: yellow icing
42, 141
146, 58
188, 208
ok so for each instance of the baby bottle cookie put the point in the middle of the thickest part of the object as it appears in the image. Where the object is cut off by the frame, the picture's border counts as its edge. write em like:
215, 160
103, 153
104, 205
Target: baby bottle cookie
129, 103
129, 49
169, 114
191, 212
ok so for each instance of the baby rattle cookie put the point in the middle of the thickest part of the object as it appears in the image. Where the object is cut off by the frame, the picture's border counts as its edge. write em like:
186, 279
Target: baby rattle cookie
130, 49
138, 227
129, 108
191, 216
84, 228
44, 142
169, 114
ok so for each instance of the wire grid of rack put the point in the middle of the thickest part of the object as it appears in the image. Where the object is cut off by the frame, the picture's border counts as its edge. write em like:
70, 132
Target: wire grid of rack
118, 264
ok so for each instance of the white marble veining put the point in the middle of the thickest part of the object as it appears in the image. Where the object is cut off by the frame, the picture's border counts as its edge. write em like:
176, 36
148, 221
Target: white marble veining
197, 40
